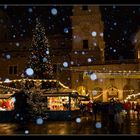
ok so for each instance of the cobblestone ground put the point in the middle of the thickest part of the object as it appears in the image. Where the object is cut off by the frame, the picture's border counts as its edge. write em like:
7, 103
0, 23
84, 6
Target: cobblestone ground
86, 125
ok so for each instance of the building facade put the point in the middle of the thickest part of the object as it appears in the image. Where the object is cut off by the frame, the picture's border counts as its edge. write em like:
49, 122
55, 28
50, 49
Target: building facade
91, 74
14, 53
87, 71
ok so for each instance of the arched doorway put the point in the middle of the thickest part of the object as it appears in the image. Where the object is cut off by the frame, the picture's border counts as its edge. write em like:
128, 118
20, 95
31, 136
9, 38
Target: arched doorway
97, 94
82, 90
127, 90
112, 92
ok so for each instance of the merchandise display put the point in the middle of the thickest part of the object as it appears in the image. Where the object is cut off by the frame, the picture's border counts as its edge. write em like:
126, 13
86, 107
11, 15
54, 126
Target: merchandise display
62, 103
7, 104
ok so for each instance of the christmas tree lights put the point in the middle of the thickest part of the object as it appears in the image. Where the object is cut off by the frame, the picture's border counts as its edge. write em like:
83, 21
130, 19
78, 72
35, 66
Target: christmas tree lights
40, 59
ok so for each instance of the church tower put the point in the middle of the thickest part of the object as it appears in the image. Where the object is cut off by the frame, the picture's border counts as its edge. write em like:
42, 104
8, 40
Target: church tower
87, 32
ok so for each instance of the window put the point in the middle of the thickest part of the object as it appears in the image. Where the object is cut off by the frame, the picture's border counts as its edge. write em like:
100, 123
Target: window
84, 7
15, 69
12, 69
138, 54
85, 44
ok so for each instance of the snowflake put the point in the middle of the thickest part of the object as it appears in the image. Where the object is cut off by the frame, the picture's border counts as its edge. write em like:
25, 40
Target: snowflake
30, 10
39, 121
65, 64
89, 60
93, 76
98, 125
78, 120
17, 44
94, 34
54, 11
66, 30
29, 71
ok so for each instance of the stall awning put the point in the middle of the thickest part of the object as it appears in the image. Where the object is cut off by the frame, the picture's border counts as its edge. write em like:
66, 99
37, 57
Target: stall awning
60, 91
5, 96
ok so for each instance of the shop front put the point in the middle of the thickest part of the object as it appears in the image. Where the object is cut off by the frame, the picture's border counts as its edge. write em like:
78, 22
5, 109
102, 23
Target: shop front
6, 107
63, 105
11, 104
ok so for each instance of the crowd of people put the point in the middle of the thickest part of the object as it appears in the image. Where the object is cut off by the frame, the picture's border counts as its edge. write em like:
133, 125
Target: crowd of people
112, 113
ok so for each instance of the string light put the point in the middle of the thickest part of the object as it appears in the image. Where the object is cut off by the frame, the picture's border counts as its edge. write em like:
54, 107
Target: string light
34, 80
132, 95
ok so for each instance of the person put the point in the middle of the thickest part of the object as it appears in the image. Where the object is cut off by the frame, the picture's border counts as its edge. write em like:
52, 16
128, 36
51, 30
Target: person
81, 106
119, 121
133, 106
94, 110
138, 109
127, 107
65, 106
89, 105
118, 117
111, 114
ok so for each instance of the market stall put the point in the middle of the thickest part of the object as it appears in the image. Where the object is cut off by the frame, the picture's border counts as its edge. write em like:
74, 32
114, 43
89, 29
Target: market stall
11, 100
7, 102
7, 107
62, 104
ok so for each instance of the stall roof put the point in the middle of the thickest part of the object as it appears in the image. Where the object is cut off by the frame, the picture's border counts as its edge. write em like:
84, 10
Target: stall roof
64, 92
60, 91
5, 96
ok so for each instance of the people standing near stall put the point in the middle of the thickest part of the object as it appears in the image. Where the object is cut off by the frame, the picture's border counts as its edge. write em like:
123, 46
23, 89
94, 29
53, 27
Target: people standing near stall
94, 110
138, 109
119, 117
89, 106
111, 115
127, 107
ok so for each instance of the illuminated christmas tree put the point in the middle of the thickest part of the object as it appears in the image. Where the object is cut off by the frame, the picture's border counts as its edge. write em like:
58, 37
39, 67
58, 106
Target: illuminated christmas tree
39, 65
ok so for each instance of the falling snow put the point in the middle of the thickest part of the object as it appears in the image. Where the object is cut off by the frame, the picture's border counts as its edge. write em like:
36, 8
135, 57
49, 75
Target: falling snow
65, 64
94, 34
93, 76
66, 30
29, 71
54, 11
98, 125
26, 131
8, 56
89, 60
39, 121
78, 120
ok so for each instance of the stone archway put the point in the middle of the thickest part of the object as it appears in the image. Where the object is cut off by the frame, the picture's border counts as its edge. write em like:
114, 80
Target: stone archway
127, 90
112, 92
82, 90
97, 94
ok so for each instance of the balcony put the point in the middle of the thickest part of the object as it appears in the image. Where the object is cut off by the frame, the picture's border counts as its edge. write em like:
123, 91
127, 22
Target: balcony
82, 62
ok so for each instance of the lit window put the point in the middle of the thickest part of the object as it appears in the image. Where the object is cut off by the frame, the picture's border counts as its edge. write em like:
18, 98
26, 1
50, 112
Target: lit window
139, 54
85, 44
12, 69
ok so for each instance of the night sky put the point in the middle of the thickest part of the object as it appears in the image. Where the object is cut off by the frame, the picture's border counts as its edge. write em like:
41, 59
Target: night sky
121, 23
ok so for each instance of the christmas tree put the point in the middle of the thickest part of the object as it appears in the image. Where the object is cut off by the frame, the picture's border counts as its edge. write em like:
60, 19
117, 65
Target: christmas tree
39, 65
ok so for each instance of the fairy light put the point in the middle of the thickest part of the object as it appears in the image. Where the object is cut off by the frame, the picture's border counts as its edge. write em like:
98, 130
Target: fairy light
132, 95
34, 80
